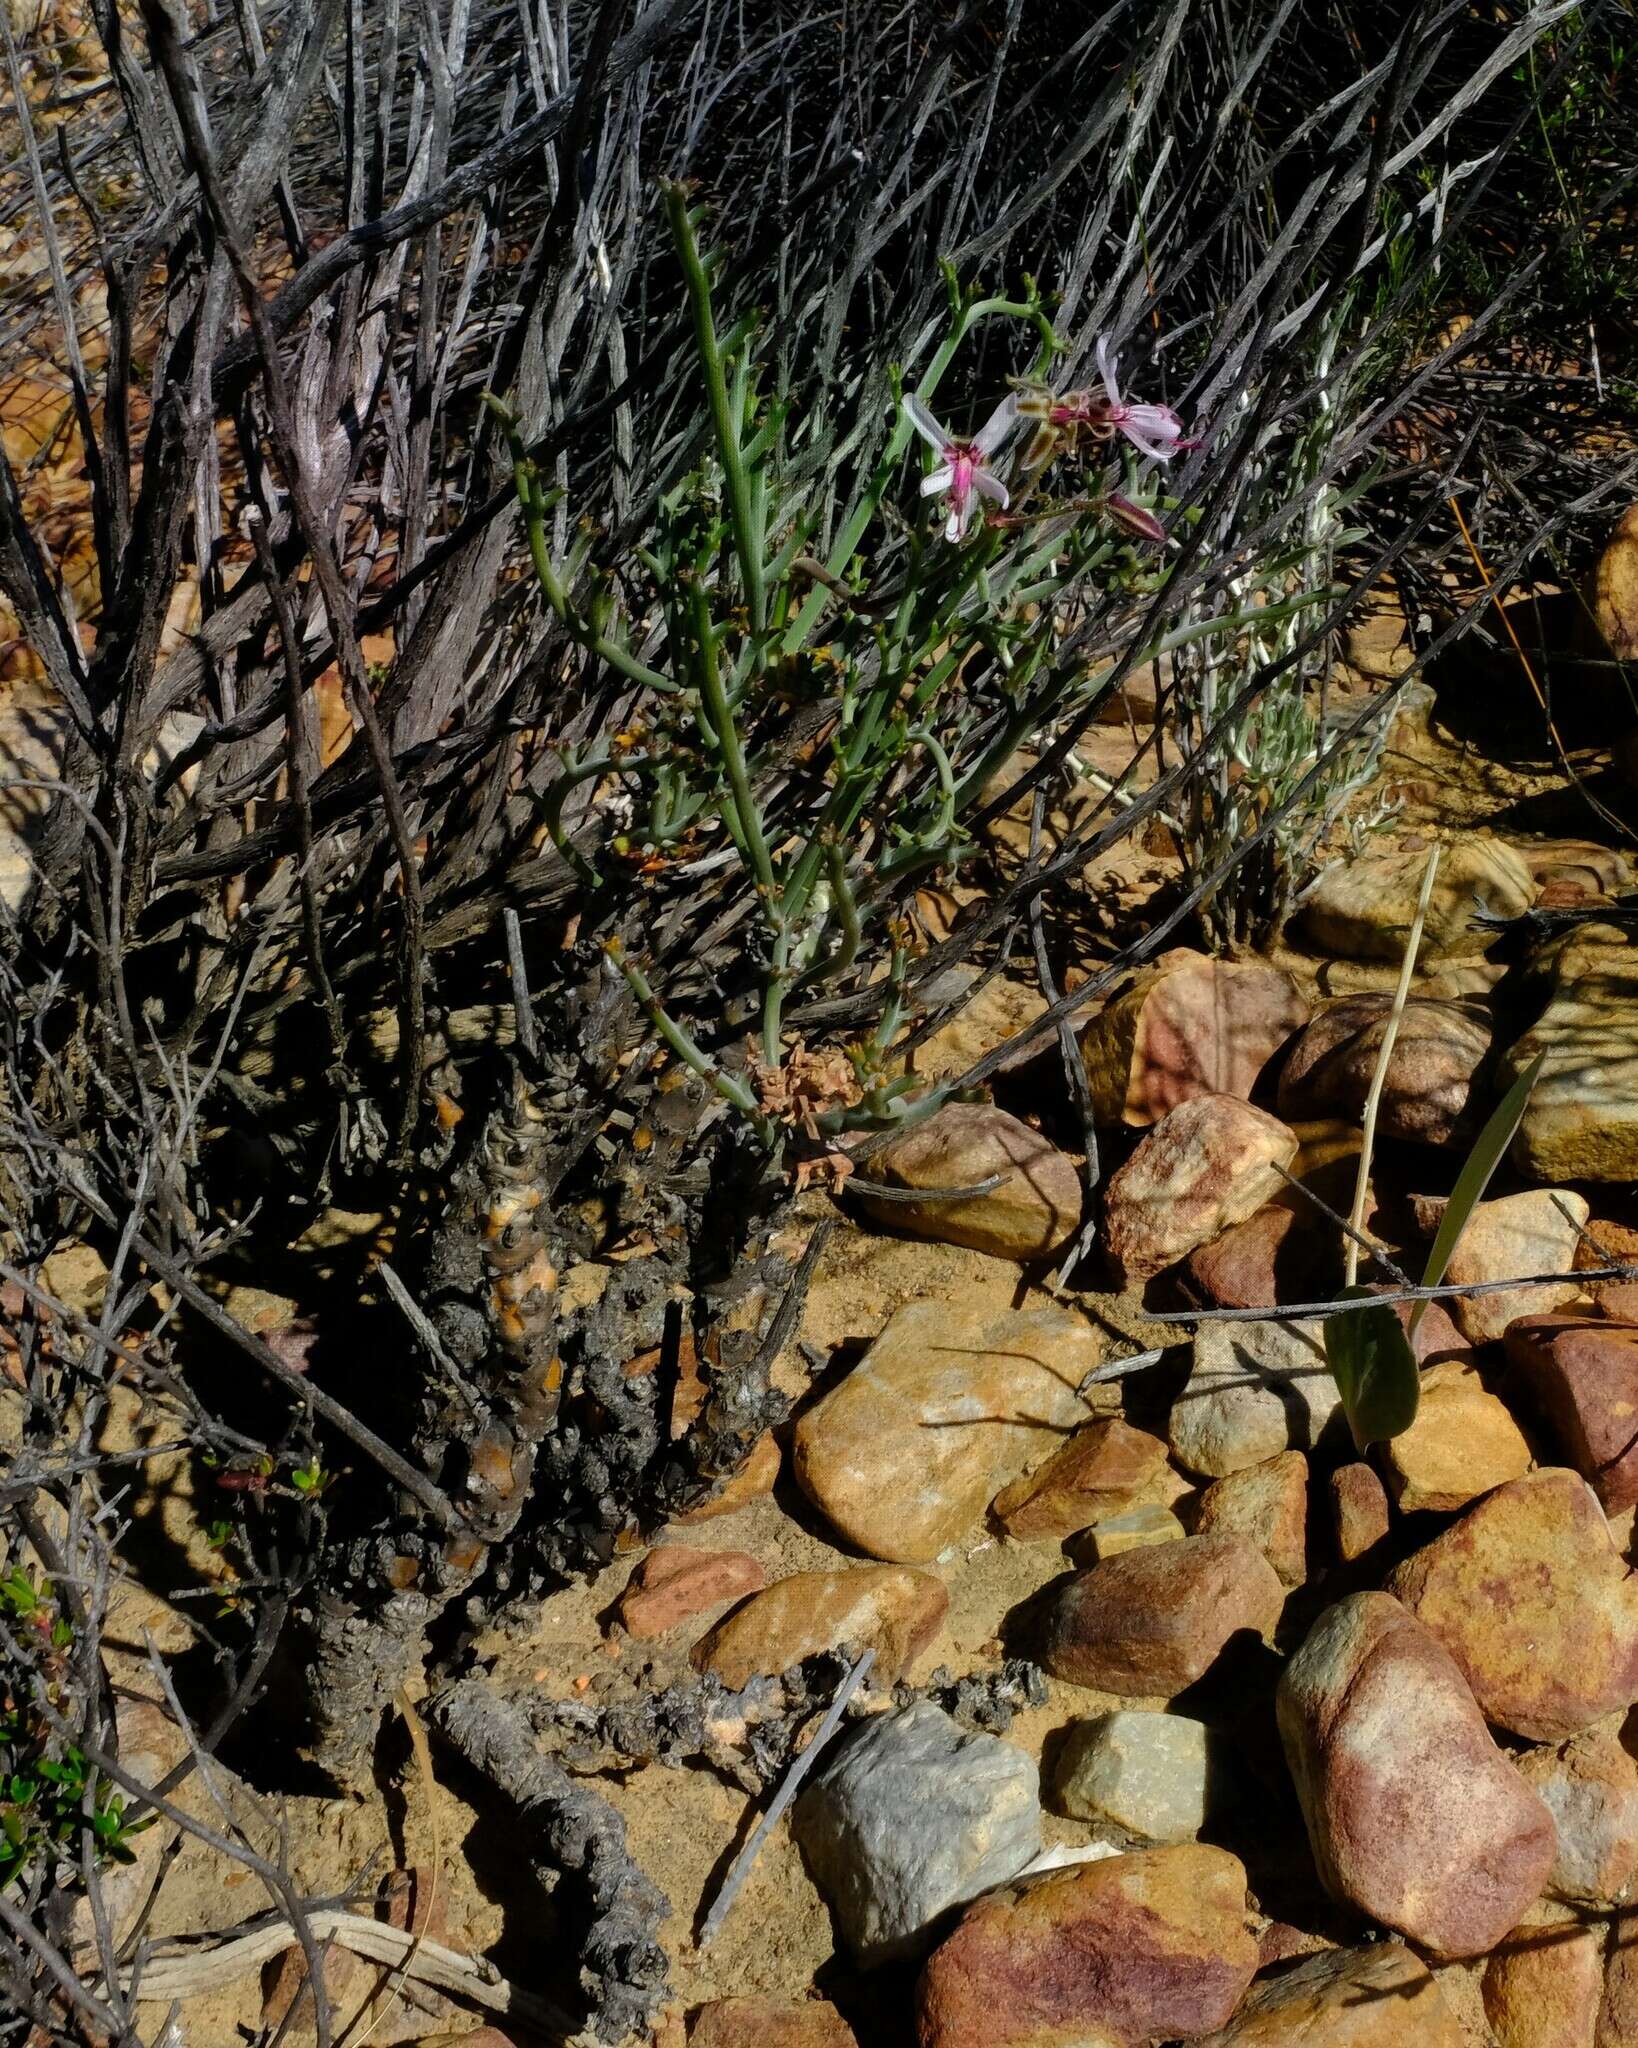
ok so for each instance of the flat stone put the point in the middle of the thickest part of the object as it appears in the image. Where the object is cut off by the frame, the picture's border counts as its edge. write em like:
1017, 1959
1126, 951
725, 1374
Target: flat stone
1517, 1235
1035, 1210
1590, 1785
1380, 1996
1531, 1597
1427, 1094
1101, 1470
1138, 1529
941, 1412
1580, 1373
1209, 1163
769, 2023
1150, 1622
1544, 1985
1145, 1774
1463, 1443
1188, 1025
1254, 1390
886, 1608
753, 1481
1414, 1816
1359, 1510
1268, 1505
674, 1584
1364, 910
1154, 1946
911, 1817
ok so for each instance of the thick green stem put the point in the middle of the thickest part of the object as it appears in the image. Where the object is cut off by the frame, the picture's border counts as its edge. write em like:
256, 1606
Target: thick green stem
724, 415
720, 717
729, 1086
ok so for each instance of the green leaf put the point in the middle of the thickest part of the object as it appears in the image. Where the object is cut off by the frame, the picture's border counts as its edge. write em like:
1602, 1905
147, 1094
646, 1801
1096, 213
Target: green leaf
1475, 1176
1374, 1367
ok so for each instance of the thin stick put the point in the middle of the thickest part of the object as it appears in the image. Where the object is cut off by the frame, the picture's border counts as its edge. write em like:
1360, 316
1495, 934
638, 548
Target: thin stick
745, 1861
1407, 967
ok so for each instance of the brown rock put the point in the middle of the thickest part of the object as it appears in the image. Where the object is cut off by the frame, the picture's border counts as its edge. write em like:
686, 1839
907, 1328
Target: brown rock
1462, 1443
1289, 1250
1149, 1622
1618, 2021
1610, 1244
1531, 1597
754, 1479
1544, 1985
1035, 1210
1438, 1048
942, 1411
886, 1608
1414, 1816
1382, 1996
1359, 1510
1364, 910
1210, 1162
1187, 1026
769, 2023
1103, 1469
673, 1584
1509, 1239
287, 1993
1581, 1374
1590, 1785
1268, 1505
1581, 1122
1152, 1946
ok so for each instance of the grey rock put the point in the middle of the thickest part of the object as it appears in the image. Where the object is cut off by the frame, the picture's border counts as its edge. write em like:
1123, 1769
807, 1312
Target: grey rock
911, 1818
1144, 1774
1254, 1390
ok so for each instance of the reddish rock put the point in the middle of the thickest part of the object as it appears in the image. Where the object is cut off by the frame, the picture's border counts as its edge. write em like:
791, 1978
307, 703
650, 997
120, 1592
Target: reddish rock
1268, 1505
1508, 1239
1415, 1817
1359, 1510
1149, 1622
1103, 1469
1530, 1596
1187, 1026
1381, 1996
887, 1608
1590, 1785
754, 1479
769, 2023
1438, 1048
673, 1584
1543, 1987
1035, 1210
1152, 1946
1290, 1250
1581, 1374
1210, 1162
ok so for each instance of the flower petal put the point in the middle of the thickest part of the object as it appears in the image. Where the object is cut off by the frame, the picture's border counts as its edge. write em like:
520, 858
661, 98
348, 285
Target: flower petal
990, 487
923, 421
997, 427
937, 480
955, 527
1106, 369
1157, 451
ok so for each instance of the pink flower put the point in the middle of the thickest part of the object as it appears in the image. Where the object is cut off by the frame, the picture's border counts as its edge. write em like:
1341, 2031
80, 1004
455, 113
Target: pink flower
1153, 430
963, 468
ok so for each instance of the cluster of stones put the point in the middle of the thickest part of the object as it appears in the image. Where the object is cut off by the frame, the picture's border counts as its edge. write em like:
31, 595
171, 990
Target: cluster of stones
1442, 1637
